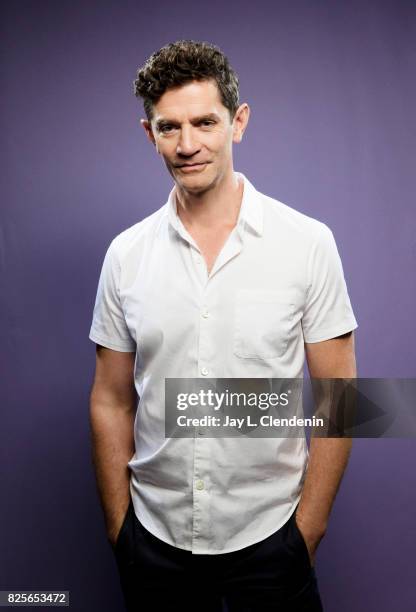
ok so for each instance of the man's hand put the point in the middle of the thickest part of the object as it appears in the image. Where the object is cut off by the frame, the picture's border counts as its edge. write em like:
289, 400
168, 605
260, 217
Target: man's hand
311, 534
113, 531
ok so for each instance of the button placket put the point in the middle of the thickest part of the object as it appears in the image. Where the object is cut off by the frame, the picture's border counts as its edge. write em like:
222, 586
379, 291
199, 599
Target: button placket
201, 495
202, 445
203, 341
206, 368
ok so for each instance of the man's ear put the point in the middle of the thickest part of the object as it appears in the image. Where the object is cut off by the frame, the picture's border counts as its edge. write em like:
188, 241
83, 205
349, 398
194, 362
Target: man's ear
240, 121
149, 132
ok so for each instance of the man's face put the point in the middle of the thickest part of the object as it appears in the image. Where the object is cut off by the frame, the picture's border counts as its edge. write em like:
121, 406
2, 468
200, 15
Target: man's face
193, 132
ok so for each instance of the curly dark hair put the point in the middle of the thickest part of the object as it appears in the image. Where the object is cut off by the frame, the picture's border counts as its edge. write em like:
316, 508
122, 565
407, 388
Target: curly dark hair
181, 62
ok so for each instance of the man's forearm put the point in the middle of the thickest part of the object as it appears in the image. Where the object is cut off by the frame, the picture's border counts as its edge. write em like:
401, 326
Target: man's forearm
331, 363
328, 458
112, 448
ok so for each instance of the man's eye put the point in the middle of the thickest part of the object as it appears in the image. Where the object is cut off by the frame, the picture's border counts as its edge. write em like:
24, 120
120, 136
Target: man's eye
207, 122
166, 128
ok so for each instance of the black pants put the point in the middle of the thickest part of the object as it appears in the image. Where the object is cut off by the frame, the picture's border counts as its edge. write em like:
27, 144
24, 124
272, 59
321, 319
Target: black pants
274, 574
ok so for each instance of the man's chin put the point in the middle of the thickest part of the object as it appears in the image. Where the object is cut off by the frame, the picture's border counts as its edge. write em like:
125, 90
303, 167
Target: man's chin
192, 181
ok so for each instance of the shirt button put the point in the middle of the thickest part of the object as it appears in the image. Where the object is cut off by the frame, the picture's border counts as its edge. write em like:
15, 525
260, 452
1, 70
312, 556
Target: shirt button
205, 314
204, 371
199, 485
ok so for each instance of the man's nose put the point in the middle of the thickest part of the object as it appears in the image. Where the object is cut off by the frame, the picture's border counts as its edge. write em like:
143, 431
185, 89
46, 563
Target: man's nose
187, 144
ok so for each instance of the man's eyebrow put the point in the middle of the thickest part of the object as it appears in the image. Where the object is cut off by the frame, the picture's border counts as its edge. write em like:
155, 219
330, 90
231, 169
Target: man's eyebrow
209, 116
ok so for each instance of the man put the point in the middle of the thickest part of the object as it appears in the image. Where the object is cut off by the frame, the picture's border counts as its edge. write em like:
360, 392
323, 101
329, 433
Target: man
221, 281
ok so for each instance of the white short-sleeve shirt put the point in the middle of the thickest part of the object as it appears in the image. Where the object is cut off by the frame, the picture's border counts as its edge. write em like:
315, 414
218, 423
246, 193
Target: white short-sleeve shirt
278, 282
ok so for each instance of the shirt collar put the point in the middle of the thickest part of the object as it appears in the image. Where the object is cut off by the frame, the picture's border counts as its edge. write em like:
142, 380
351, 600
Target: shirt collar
251, 210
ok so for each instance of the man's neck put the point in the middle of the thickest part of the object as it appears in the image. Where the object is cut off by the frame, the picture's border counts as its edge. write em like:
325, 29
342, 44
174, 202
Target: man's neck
216, 208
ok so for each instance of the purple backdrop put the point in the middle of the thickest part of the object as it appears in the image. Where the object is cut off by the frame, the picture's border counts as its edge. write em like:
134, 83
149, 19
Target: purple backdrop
332, 92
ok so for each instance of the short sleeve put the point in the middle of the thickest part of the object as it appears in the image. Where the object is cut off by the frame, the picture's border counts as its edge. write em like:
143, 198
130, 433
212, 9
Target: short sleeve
328, 312
109, 326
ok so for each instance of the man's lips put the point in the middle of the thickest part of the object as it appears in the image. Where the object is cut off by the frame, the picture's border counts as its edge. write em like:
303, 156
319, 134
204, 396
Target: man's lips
192, 165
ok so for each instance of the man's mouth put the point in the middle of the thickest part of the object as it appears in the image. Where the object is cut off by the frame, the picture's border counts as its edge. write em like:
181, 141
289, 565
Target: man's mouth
194, 165
192, 168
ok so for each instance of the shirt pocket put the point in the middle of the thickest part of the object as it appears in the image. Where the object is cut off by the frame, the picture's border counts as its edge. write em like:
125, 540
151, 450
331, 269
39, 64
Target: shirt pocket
263, 320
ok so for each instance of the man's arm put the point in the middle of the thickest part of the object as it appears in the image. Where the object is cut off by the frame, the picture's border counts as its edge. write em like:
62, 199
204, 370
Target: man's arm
112, 412
328, 457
